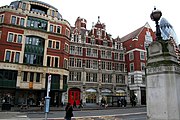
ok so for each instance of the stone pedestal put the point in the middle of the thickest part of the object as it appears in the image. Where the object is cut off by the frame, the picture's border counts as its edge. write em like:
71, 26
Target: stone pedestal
163, 82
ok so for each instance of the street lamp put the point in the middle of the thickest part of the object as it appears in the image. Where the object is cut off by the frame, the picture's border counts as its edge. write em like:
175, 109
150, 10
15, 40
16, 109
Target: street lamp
155, 16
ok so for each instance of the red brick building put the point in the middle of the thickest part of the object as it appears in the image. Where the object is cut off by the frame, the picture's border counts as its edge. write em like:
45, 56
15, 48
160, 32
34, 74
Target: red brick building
97, 64
34, 42
135, 44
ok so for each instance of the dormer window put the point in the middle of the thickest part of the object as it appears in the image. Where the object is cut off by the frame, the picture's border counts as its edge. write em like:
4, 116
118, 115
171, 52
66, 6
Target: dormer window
39, 9
24, 6
98, 32
105, 43
53, 13
118, 45
135, 38
15, 4
37, 23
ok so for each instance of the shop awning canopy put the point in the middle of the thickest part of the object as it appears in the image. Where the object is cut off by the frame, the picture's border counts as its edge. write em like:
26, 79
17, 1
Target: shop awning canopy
120, 91
106, 91
90, 90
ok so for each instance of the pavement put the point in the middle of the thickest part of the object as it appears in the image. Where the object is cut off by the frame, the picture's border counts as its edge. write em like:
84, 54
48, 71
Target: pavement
38, 109
16, 113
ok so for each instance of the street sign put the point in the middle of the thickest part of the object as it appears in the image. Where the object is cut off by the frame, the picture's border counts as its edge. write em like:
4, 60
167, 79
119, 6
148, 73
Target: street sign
49, 85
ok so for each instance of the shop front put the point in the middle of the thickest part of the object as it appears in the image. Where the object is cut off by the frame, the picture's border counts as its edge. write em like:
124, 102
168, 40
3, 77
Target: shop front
28, 97
91, 96
105, 93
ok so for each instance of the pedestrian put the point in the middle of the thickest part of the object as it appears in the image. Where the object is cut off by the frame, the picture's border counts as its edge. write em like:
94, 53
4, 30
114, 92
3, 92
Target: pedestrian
28, 102
102, 102
119, 102
74, 104
81, 104
125, 102
57, 101
133, 99
41, 103
69, 111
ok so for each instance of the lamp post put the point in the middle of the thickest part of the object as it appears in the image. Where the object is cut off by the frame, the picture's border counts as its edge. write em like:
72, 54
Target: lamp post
100, 80
155, 16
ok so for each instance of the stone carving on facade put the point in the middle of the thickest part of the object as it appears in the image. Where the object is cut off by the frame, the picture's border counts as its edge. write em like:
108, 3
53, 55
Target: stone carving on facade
40, 34
177, 69
155, 48
160, 69
171, 48
9, 66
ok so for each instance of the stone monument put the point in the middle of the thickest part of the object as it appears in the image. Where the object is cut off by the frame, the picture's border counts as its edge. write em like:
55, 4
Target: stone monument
163, 78
163, 82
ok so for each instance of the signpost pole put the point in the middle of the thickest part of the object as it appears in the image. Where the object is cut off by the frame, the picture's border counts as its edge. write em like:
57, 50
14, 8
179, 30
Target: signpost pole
47, 98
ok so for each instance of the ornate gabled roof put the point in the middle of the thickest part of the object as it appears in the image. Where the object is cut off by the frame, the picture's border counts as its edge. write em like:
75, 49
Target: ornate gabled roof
81, 31
99, 24
118, 39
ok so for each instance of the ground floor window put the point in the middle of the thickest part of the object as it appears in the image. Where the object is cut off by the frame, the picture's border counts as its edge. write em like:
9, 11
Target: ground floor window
31, 98
90, 97
8, 78
7, 96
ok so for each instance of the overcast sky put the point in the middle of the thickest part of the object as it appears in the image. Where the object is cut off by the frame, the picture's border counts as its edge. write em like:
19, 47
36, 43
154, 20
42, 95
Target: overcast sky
120, 16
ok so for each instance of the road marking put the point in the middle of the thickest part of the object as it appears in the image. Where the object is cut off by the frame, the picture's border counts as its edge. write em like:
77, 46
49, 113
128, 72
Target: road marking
143, 118
129, 114
126, 114
7, 112
22, 116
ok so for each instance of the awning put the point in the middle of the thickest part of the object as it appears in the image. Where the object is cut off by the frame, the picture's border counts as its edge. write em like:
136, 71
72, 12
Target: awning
106, 91
120, 91
90, 90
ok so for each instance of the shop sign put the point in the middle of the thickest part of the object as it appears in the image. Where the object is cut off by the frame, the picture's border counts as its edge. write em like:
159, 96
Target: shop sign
30, 85
8, 66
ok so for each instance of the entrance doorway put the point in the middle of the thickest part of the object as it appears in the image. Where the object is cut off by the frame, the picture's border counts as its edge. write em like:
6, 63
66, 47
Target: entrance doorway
143, 96
74, 95
91, 96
